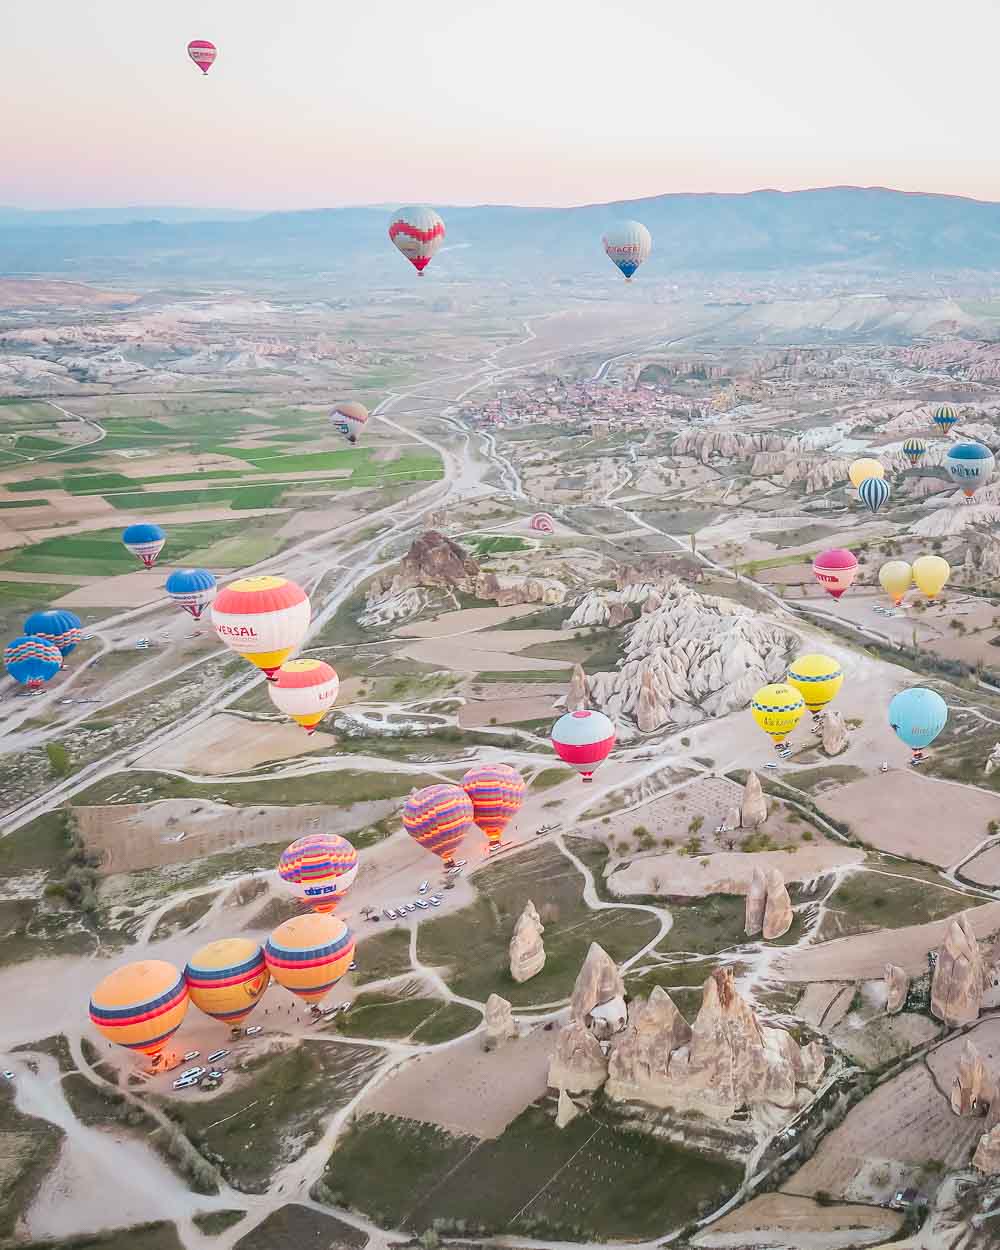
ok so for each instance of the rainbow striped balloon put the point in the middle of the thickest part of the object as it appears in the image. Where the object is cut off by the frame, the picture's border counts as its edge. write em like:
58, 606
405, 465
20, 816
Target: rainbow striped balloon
438, 817
497, 792
227, 978
32, 661
141, 1005
319, 869
309, 954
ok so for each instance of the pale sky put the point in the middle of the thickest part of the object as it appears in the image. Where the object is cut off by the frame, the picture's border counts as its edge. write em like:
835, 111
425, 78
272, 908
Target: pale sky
316, 103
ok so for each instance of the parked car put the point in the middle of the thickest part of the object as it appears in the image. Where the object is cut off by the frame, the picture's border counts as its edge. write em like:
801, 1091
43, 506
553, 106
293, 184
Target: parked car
435, 900
191, 1054
254, 1029
8, 1075
389, 914
216, 1055
191, 1074
460, 863
423, 887
185, 1082
422, 904
353, 966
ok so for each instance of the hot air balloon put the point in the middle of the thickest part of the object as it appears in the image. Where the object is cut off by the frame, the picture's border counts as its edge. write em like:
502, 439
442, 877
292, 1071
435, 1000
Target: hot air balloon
497, 792
141, 1005
583, 739
873, 493
945, 417
777, 709
55, 625
309, 954
628, 244
263, 619
969, 465
861, 469
192, 589
202, 53
32, 661
438, 818
354, 416
835, 570
930, 574
305, 690
896, 578
145, 541
817, 678
418, 232
226, 979
542, 523
914, 449
319, 869
918, 716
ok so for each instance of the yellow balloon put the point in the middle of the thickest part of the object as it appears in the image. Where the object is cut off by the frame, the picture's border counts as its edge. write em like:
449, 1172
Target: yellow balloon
817, 678
777, 709
930, 573
896, 578
862, 469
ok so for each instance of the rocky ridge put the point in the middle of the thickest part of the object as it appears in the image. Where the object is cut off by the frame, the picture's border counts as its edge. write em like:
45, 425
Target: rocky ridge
959, 977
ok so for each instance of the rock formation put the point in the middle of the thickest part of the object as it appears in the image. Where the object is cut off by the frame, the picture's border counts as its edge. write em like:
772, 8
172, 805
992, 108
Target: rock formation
609, 608
598, 1000
987, 1156
434, 560
993, 760
511, 588
733, 818
500, 1023
578, 1062
834, 733
778, 915
653, 710
578, 696
726, 444
897, 986
756, 903
527, 951
640, 1057
567, 1110
973, 1089
753, 809
959, 979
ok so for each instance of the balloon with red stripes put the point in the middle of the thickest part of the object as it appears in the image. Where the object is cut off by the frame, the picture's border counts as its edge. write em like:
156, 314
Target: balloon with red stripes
584, 740
418, 232
438, 817
497, 792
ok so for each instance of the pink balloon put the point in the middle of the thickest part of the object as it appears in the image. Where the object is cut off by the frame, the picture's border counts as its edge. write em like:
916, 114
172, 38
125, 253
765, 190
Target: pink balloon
202, 53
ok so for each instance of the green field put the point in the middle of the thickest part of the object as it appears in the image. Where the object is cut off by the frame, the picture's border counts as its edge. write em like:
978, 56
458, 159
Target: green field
28, 1148
864, 901
397, 1015
384, 955
293, 1226
19, 599
493, 544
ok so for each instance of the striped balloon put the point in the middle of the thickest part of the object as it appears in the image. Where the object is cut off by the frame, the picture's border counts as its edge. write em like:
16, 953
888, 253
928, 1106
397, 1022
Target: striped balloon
32, 661
305, 690
63, 629
192, 590
226, 979
141, 1005
203, 52
542, 523
583, 739
497, 792
145, 541
263, 619
353, 416
914, 449
945, 417
873, 493
417, 232
319, 869
309, 954
438, 818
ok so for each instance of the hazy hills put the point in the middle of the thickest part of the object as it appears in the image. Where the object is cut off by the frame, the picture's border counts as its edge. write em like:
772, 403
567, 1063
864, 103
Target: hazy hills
847, 228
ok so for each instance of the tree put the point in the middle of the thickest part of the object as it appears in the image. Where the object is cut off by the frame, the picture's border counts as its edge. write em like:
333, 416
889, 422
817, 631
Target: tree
59, 762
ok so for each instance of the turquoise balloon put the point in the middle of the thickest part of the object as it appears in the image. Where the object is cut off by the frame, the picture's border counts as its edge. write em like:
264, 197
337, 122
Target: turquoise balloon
918, 716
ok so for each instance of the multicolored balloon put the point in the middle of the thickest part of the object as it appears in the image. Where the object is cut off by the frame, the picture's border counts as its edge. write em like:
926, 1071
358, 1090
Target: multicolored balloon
438, 817
263, 619
309, 954
835, 570
192, 589
896, 577
305, 690
864, 468
817, 678
945, 417
140, 1006
497, 793
914, 449
873, 493
969, 465
226, 979
55, 625
418, 233
145, 541
32, 661
319, 869
354, 416
777, 709
584, 740
918, 715
627, 244
930, 574
203, 53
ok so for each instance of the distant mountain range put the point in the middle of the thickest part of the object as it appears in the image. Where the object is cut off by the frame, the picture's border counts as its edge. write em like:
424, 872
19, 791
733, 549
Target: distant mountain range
853, 229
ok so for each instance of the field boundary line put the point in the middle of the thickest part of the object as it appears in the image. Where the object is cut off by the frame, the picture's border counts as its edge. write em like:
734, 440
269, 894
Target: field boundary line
233, 1116
554, 1175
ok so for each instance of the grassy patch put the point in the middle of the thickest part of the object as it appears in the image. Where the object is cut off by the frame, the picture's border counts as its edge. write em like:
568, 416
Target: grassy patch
864, 901
19, 599
56, 1046
449, 1021
183, 916
211, 1223
385, 1015
493, 544
472, 943
549, 777
160, 1235
708, 925
386, 954
814, 780
294, 1226
541, 675
28, 1149
101, 1104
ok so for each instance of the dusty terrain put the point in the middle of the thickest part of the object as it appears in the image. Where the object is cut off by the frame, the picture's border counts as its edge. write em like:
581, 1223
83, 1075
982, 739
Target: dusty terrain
231, 744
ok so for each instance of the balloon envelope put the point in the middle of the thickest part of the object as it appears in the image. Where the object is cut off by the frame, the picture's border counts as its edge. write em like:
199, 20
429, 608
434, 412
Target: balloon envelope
542, 523
914, 449
354, 416
896, 578
141, 1005
777, 709
32, 661
192, 589
263, 619
438, 818
969, 465
817, 678
628, 244
945, 417
418, 232
145, 541
226, 979
497, 792
930, 574
55, 625
918, 716
864, 468
835, 570
319, 869
305, 690
583, 739
203, 53
873, 493
309, 954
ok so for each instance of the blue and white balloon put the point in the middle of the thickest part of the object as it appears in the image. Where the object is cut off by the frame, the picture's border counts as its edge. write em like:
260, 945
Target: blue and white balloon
873, 493
192, 589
